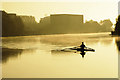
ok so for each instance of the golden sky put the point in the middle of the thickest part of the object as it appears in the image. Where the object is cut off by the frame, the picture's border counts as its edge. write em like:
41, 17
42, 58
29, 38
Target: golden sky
91, 10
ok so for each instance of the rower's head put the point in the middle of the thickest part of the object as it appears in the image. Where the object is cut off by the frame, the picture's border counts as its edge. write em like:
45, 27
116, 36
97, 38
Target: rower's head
82, 42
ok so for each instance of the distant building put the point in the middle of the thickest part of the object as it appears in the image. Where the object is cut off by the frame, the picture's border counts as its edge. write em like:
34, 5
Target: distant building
45, 20
28, 19
12, 15
62, 23
12, 25
66, 19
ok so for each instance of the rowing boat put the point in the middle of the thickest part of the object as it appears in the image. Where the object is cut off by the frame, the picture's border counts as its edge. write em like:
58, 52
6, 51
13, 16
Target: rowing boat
73, 49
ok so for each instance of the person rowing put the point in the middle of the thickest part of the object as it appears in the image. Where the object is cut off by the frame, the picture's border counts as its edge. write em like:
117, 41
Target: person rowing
80, 48
82, 45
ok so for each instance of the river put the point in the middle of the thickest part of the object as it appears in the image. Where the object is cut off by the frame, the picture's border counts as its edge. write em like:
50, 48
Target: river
31, 56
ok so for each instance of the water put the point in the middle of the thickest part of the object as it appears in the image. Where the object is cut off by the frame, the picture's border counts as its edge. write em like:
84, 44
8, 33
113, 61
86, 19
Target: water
31, 56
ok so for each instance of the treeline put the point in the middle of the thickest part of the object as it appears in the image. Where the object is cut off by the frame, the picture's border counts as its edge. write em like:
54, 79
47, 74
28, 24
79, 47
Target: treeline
94, 26
87, 27
117, 27
15, 25
12, 25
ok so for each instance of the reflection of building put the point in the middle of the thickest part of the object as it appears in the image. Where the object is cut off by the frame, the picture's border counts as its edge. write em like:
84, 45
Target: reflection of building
66, 19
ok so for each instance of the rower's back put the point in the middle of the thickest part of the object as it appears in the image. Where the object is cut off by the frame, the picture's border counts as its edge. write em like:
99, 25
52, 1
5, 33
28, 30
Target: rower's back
82, 45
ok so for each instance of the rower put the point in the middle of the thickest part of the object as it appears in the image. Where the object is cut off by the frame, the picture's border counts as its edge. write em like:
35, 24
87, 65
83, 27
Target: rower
82, 47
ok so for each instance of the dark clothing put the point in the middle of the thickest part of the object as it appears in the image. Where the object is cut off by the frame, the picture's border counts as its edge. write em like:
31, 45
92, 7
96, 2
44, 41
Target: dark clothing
82, 46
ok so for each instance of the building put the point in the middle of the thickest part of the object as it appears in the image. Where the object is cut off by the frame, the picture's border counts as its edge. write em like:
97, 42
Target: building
66, 19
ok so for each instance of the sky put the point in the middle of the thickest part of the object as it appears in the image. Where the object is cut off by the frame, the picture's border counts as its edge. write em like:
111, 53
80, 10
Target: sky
91, 9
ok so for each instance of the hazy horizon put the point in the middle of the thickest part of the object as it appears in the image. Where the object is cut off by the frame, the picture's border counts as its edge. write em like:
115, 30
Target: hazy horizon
91, 10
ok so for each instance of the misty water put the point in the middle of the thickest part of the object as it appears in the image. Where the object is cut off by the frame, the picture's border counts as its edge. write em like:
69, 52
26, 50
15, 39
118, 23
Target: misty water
31, 56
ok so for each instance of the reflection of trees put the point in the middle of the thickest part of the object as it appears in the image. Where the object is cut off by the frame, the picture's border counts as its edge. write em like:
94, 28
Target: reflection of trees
118, 44
7, 53
14, 53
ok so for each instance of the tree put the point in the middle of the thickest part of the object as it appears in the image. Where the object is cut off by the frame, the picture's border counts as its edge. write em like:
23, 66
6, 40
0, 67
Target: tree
117, 26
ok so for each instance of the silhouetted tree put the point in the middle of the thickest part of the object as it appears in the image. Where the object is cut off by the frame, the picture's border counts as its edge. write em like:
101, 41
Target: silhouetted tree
91, 26
117, 26
106, 25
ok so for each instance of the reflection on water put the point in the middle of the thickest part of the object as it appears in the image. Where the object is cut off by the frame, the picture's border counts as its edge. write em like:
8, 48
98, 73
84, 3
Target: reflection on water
76, 39
7, 53
118, 43
118, 47
66, 53
83, 53
31, 57
13, 53
74, 50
